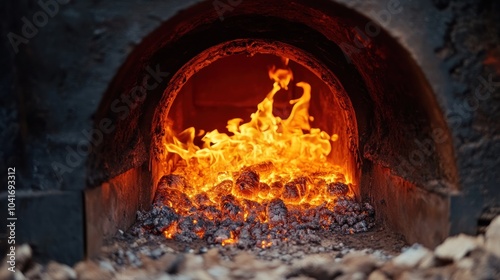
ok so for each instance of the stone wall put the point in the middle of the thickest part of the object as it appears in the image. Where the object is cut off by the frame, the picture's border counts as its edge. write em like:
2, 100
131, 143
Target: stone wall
66, 53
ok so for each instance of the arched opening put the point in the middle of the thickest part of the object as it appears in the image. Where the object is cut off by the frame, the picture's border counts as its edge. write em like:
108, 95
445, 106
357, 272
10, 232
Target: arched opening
389, 113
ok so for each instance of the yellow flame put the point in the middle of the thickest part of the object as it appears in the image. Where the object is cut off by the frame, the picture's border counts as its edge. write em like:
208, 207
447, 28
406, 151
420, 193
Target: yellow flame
171, 230
276, 149
230, 240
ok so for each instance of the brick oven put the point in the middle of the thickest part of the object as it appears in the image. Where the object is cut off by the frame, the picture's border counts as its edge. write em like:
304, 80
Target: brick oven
410, 89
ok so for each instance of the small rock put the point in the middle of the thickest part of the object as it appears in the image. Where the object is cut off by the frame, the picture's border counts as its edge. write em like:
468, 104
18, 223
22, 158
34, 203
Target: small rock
18, 275
428, 261
218, 272
357, 262
381, 255
313, 250
247, 263
133, 259
211, 257
34, 271
23, 256
191, 263
391, 270
9, 275
167, 263
493, 237
485, 266
133, 273
315, 266
21, 259
352, 276
156, 253
466, 263
298, 254
412, 256
301, 277
377, 275
286, 258
59, 271
88, 270
412, 275
199, 275
106, 265
456, 247
203, 250
164, 277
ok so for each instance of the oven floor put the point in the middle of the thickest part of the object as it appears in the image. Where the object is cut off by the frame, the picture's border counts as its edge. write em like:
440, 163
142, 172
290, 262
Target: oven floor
125, 249
376, 254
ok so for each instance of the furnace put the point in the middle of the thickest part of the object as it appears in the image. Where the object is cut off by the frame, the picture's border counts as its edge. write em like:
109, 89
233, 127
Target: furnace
327, 115
361, 90
276, 166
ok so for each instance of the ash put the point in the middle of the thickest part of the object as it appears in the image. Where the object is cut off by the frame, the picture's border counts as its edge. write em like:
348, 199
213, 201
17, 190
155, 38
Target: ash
375, 254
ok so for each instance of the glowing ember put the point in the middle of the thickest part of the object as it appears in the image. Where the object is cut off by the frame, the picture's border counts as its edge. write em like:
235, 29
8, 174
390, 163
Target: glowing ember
265, 244
171, 230
267, 170
230, 240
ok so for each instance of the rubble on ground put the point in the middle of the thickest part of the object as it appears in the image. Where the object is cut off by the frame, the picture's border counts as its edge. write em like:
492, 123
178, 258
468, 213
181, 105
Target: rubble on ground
458, 257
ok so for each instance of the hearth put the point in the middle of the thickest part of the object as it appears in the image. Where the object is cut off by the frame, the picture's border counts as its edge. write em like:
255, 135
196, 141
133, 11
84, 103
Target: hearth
219, 118
364, 98
275, 169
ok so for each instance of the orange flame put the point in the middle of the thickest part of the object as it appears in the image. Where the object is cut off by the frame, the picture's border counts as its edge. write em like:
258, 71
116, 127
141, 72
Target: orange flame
171, 230
263, 159
230, 240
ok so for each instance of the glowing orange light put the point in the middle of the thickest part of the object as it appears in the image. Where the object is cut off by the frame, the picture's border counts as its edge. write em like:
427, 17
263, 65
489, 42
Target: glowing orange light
200, 233
260, 160
230, 240
265, 244
171, 230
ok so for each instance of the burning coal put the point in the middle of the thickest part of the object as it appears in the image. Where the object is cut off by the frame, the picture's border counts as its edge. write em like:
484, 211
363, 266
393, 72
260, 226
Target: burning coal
247, 223
267, 182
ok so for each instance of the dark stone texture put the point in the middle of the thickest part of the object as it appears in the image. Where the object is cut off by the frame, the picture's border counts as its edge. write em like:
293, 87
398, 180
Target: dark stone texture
70, 61
113, 206
457, 46
11, 150
419, 215
52, 222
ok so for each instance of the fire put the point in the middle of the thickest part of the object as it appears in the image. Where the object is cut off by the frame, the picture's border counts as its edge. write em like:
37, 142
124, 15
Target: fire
230, 240
267, 158
170, 231
265, 244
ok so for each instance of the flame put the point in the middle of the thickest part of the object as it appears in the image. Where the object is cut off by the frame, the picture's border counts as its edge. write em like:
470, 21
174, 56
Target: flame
260, 160
200, 233
230, 240
171, 230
